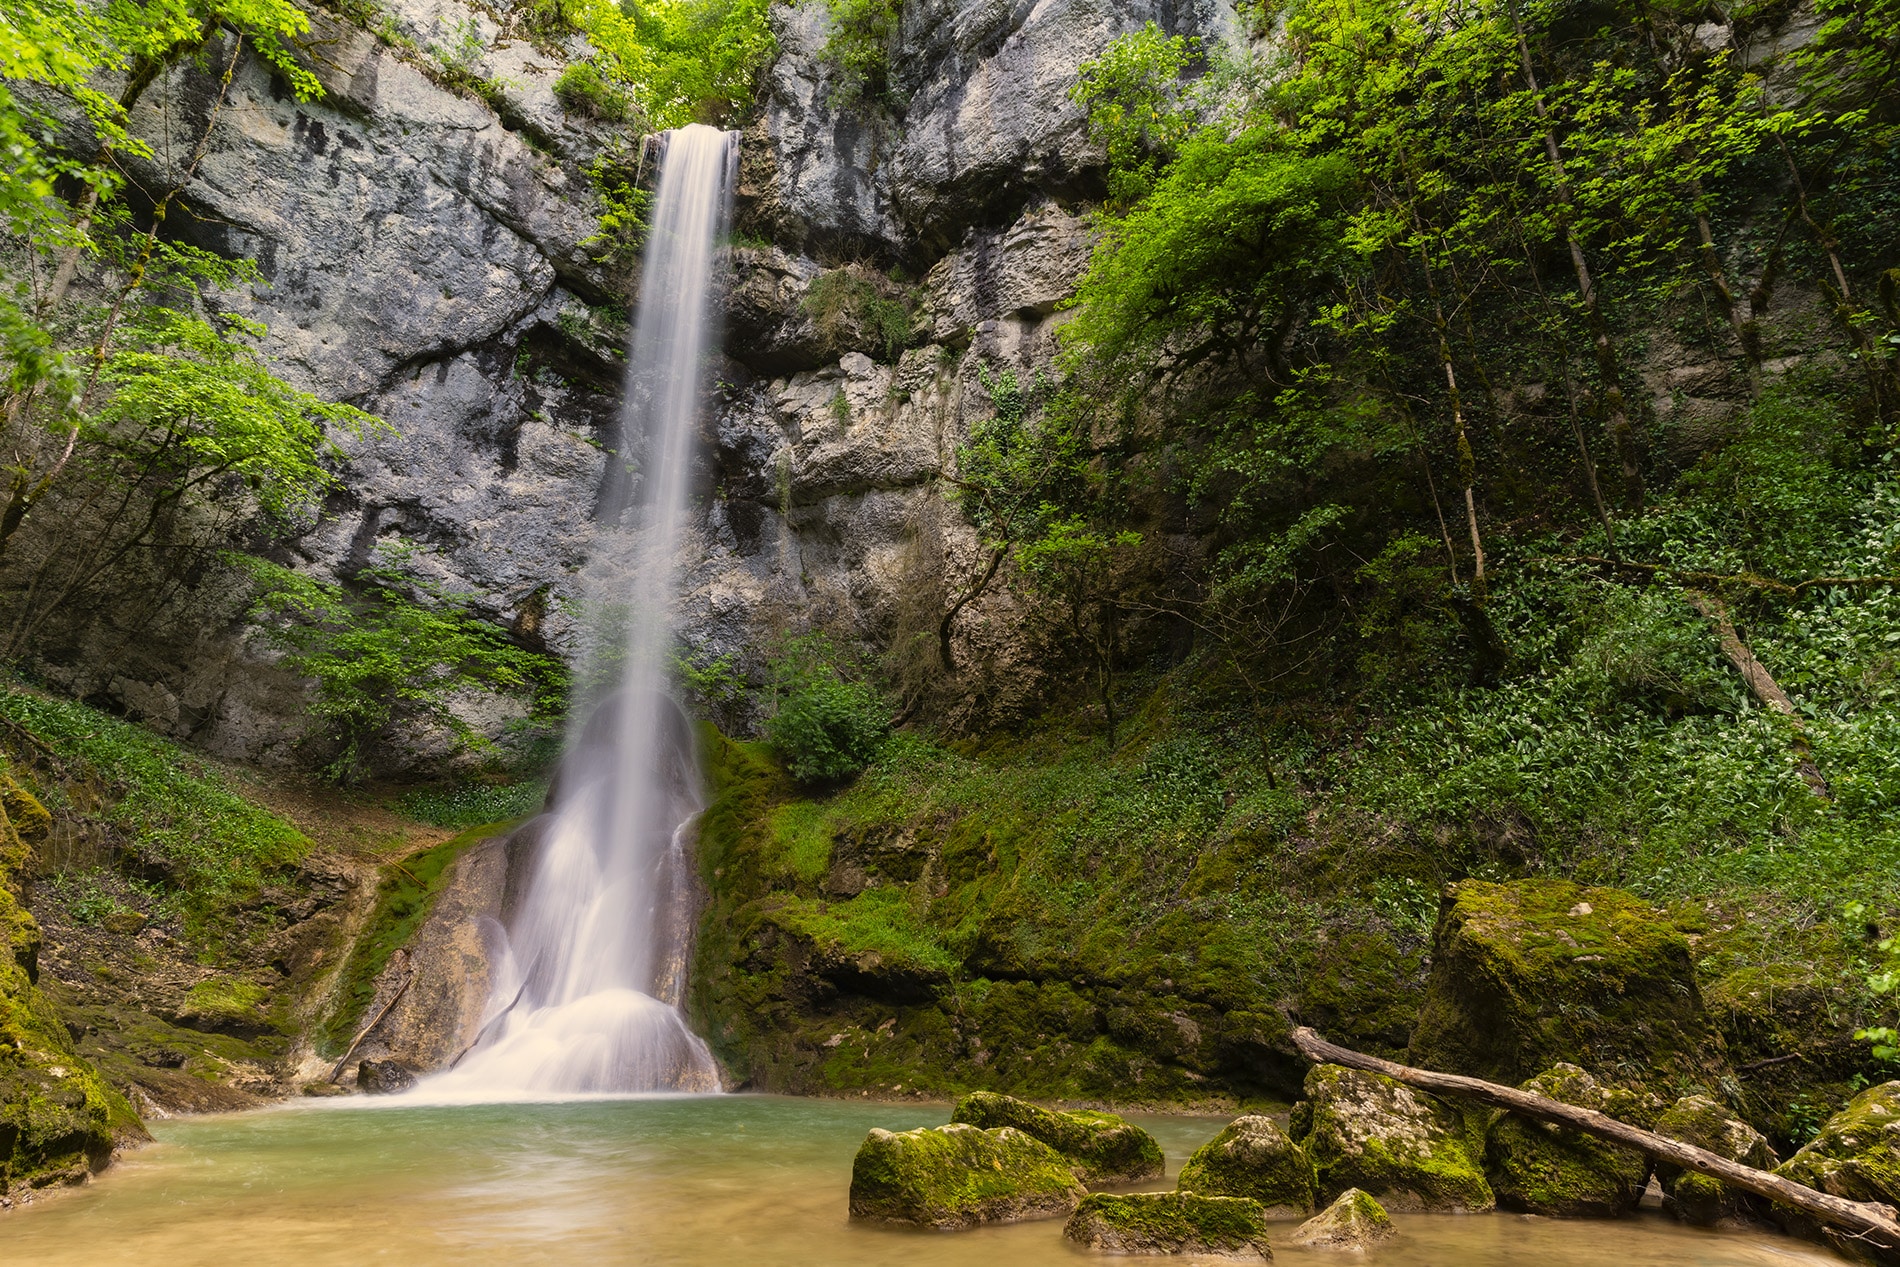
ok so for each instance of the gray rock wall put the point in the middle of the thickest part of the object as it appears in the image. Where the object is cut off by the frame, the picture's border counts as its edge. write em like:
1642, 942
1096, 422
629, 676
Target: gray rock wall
424, 254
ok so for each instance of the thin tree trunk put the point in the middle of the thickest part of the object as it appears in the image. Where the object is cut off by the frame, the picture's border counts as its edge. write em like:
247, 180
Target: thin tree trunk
1608, 368
1761, 684
1873, 1223
970, 595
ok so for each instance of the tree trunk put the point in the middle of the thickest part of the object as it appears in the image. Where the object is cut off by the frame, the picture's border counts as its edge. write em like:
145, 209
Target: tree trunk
1877, 1225
1761, 684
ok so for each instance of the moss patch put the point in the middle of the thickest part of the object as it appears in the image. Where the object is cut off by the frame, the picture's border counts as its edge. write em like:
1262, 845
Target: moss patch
1252, 1157
1540, 1168
1102, 1147
959, 1176
1170, 1223
1533, 973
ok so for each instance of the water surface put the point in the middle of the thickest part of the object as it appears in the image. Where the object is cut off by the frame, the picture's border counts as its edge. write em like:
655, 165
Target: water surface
758, 1181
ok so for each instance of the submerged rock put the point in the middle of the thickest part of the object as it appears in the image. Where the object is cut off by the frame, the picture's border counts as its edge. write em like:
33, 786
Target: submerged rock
1528, 974
1410, 1149
385, 1077
959, 1176
1542, 1168
1171, 1223
1254, 1158
1102, 1147
1354, 1221
1697, 1198
1856, 1156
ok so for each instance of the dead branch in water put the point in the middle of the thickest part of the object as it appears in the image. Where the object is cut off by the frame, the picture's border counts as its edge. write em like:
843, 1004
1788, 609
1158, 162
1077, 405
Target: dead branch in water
1878, 1225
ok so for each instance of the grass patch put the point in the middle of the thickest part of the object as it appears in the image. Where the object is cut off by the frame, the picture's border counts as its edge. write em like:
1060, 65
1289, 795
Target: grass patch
181, 823
803, 835
473, 804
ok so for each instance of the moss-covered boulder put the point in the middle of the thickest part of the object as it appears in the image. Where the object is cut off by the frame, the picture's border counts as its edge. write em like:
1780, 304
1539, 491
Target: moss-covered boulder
59, 1121
1102, 1147
1171, 1223
1789, 1029
1354, 1221
1542, 1168
1696, 1198
1254, 1158
960, 1176
1535, 972
1411, 1150
1856, 1156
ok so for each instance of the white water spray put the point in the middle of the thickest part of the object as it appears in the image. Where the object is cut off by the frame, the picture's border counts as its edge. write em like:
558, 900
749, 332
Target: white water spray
585, 994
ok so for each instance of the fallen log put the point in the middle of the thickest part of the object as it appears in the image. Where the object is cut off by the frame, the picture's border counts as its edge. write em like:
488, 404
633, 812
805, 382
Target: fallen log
1875, 1224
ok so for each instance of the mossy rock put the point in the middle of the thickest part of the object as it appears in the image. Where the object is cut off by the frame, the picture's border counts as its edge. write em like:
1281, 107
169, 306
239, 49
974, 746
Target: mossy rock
1354, 1221
1696, 1198
59, 1121
1856, 1156
1533, 973
1411, 1150
1789, 1028
1102, 1147
959, 1176
1171, 1223
1252, 1157
1542, 1168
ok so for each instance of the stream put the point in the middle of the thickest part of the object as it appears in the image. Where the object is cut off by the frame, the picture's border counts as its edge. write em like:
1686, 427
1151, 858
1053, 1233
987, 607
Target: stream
740, 1179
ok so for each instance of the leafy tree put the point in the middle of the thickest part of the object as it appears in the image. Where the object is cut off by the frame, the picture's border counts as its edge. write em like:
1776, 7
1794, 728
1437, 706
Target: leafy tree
824, 725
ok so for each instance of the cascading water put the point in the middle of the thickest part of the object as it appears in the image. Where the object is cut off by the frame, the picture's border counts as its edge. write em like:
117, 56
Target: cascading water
587, 987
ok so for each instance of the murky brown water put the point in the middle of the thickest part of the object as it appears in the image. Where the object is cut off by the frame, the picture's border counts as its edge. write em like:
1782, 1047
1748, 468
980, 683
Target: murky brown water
749, 1180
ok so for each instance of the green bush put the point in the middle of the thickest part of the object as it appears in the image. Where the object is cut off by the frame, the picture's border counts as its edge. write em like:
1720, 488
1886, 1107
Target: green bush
584, 90
859, 49
825, 726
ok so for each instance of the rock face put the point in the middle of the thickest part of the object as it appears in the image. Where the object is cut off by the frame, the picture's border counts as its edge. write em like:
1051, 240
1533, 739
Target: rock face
1353, 1222
1252, 1157
1856, 1156
1696, 1198
1537, 972
1541, 1168
1171, 1223
1101, 1147
1411, 1150
960, 1176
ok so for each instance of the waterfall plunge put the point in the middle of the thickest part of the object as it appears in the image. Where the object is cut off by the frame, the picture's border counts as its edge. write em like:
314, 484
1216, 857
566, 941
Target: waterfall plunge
586, 987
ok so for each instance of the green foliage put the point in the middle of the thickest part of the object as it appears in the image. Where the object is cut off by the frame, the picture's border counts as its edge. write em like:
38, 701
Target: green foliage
473, 804
584, 90
850, 307
674, 62
863, 33
1135, 100
624, 208
397, 646
824, 725
180, 819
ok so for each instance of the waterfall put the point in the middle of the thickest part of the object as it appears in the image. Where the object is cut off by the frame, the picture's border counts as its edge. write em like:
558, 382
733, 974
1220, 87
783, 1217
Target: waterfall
587, 981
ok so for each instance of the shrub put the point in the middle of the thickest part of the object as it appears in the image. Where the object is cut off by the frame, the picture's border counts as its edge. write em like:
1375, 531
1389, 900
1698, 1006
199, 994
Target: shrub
585, 91
825, 726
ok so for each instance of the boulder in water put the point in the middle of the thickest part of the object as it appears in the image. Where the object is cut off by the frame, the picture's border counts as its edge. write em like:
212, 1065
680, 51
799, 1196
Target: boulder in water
1856, 1156
1102, 1147
385, 1077
1527, 974
960, 1176
1254, 1158
1171, 1223
1543, 1168
1411, 1150
1353, 1222
1697, 1198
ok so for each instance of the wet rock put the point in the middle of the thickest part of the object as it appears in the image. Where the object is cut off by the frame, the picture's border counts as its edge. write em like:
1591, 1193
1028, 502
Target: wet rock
1102, 1147
1352, 1222
1536, 972
959, 1176
1252, 1157
1411, 1150
1697, 1198
1542, 1168
1856, 1156
384, 1077
1171, 1223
